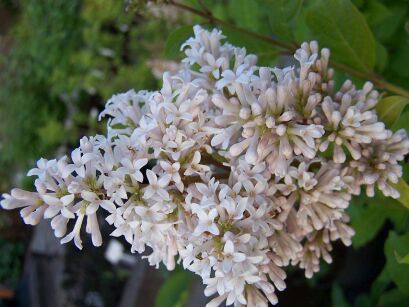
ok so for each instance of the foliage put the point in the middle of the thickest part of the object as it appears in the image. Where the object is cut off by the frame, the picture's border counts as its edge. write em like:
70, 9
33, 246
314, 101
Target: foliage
63, 60
174, 292
390, 108
63, 67
27, 100
339, 25
10, 266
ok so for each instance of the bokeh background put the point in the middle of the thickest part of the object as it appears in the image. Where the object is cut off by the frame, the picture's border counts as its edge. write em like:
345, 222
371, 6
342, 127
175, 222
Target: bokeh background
61, 60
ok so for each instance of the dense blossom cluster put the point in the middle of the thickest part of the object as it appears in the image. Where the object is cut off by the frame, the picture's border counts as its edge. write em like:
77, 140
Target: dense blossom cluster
234, 170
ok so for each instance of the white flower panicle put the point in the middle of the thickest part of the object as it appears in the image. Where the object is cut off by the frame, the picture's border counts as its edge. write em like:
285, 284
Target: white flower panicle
234, 170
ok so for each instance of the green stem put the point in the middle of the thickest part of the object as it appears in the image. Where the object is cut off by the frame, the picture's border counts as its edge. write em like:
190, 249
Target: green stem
375, 79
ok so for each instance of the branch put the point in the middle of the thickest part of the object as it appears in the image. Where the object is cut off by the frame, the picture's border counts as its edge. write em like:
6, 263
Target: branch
212, 19
375, 79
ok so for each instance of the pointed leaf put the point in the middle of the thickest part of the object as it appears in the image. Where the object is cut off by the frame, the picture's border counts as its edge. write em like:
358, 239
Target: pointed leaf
366, 220
400, 259
403, 189
338, 25
390, 108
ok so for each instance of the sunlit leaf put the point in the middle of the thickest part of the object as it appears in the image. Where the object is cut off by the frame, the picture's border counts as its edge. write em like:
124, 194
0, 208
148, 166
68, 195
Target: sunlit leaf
404, 259
390, 108
403, 189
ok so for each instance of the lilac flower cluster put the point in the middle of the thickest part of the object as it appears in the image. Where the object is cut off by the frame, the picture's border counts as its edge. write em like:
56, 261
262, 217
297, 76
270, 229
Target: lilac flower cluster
234, 170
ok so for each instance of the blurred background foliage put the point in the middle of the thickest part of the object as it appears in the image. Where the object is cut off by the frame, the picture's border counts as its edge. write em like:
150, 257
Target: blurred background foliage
61, 60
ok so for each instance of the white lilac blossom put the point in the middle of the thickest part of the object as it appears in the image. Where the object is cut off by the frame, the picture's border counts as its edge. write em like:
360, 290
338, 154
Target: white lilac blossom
233, 170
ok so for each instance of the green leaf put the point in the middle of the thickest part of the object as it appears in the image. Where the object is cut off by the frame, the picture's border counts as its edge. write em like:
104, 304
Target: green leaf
338, 297
387, 28
400, 59
339, 25
246, 14
382, 57
400, 259
358, 3
376, 12
394, 298
362, 300
380, 284
398, 272
301, 32
390, 108
176, 39
394, 211
366, 220
282, 17
402, 123
175, 290
51, 133
403, 189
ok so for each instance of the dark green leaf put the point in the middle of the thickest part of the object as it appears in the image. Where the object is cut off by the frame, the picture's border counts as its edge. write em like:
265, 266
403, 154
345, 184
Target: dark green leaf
402, 123
358, 3
394, 298
282, 17
381, 57
174, 291
398, 272
390, 108
366, 220
400, 59
394, 211
176, 39
388, 27
301, 32
337, 297
362, 300
338, 24
380, 284
376, 12
246, 14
